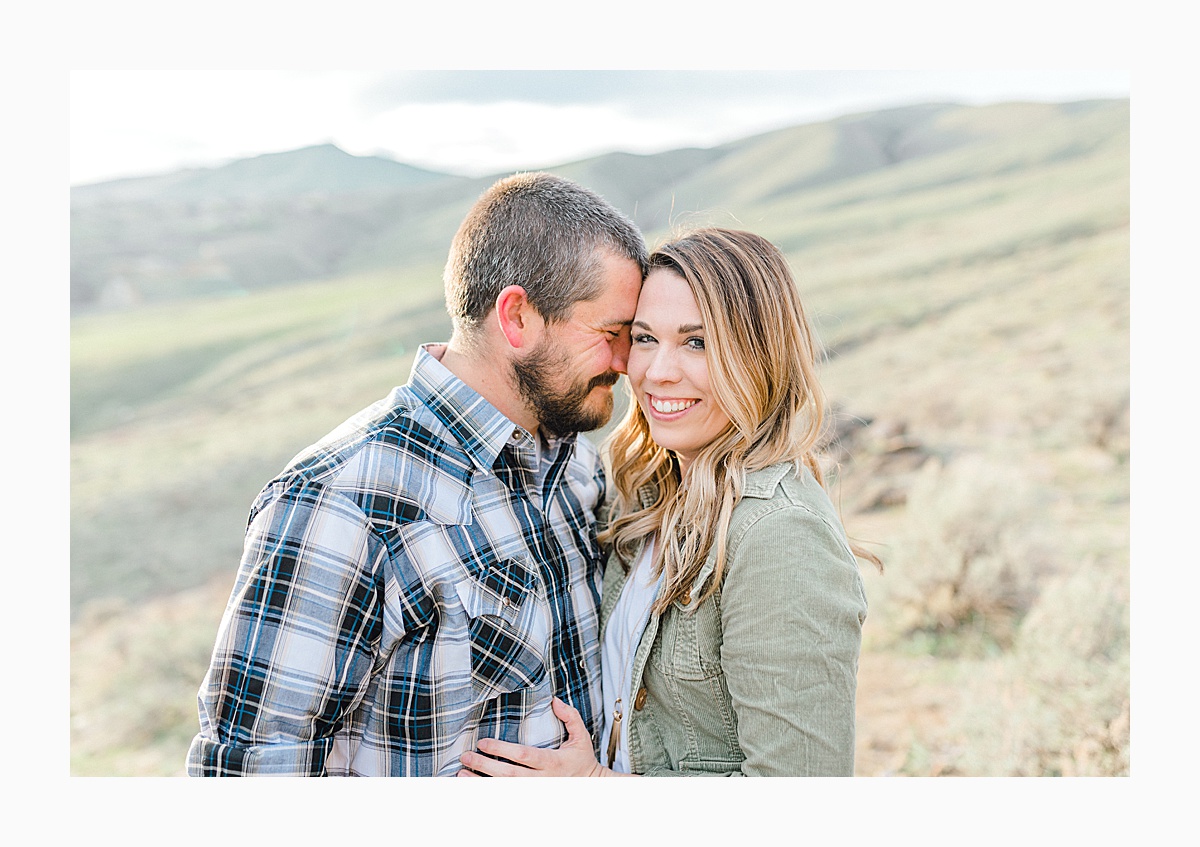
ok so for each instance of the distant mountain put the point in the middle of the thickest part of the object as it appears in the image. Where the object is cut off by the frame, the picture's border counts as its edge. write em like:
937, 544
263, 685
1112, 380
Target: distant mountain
769, 164
270, 219
323, 169
919, 144
319, 212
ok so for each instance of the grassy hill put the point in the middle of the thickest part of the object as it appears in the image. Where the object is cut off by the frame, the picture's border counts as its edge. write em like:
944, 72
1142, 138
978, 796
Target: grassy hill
968, 272
323, 169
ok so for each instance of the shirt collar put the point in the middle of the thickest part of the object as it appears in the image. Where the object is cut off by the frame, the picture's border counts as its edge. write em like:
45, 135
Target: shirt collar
477, 425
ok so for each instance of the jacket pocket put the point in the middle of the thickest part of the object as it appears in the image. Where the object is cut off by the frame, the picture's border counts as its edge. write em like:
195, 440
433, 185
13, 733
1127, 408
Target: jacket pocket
691, 641
507, 626
712, 766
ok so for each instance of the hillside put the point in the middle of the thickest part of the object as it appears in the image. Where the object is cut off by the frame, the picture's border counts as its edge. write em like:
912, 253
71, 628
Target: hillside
320, 170
272, 219
319, 212
968, 272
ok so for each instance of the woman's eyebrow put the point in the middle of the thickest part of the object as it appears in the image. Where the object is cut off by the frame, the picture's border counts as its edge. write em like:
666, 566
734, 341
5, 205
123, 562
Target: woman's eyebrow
683, 329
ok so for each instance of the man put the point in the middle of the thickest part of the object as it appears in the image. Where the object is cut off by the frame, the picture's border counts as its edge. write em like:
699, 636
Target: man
426, 574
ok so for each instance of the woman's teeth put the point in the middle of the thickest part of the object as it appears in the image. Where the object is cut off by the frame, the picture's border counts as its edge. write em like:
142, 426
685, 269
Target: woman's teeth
666, 407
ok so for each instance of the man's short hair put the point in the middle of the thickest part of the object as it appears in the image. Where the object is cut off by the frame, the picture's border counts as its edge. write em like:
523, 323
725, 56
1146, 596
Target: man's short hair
543, 233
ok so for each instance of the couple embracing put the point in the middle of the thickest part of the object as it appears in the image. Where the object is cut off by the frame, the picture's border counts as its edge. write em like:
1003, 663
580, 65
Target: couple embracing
452, 584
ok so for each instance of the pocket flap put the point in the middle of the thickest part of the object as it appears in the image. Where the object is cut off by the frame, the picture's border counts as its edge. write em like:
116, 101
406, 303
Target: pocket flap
500, 589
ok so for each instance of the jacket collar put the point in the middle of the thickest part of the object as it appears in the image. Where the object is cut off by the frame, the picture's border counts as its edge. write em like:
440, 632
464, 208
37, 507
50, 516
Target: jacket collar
761, 484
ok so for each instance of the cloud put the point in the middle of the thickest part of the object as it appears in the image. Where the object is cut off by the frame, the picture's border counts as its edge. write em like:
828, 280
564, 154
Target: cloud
126, 123
489, 137
669, 92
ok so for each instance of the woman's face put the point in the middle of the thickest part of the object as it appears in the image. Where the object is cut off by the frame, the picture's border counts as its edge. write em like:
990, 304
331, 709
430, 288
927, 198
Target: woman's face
668, 368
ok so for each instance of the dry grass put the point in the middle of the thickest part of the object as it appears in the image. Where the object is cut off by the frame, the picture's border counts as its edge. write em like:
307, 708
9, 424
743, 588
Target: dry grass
1020, 652
135, 671
1058, 703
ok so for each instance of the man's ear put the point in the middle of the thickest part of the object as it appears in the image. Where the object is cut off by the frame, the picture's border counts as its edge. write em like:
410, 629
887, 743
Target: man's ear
519, 321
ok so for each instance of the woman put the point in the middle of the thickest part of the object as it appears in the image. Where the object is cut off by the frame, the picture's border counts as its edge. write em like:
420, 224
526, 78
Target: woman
732, 601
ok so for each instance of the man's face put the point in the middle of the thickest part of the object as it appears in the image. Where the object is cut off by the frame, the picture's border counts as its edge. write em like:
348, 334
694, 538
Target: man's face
567, 378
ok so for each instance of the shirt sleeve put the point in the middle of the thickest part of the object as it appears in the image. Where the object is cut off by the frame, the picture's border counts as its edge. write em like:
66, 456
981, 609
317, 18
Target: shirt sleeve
297, 642
792, 610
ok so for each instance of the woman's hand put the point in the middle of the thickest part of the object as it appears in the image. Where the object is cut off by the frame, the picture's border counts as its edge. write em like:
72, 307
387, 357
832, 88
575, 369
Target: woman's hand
574, 758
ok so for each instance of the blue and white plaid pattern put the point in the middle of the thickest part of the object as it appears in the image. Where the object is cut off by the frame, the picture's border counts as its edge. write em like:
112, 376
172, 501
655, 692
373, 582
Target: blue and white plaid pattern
400, 596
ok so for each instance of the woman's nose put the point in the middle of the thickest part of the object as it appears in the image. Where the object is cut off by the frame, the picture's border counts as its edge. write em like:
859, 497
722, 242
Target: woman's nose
663, 367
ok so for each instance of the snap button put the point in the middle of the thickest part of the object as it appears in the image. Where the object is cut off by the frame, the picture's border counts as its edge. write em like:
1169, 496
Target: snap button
686, 599
583, 664
640, 699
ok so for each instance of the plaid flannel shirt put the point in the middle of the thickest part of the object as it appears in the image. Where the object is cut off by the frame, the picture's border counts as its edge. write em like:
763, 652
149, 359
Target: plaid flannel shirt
405, 591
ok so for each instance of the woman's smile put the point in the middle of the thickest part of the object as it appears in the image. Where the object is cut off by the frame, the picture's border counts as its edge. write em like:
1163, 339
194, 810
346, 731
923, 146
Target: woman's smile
668, 408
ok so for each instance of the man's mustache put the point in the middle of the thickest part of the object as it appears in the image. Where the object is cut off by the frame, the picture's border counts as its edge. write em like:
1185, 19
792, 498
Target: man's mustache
607, 379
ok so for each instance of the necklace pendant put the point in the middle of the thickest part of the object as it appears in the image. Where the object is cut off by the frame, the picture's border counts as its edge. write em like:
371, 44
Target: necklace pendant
614, 737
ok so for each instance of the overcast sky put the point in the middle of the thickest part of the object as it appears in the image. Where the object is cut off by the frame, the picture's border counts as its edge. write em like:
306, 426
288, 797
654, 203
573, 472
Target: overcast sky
132, 123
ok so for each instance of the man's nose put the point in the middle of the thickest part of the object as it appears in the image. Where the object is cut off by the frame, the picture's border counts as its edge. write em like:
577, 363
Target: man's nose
620, 352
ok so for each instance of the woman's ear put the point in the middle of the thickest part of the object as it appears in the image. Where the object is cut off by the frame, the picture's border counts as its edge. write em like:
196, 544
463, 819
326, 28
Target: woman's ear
519, 321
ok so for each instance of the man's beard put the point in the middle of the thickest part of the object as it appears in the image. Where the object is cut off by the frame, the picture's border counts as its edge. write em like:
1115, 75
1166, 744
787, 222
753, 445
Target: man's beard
561, 411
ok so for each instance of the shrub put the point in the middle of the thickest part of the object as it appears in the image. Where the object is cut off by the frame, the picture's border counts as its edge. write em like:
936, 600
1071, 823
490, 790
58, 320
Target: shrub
1059, 703
967, 562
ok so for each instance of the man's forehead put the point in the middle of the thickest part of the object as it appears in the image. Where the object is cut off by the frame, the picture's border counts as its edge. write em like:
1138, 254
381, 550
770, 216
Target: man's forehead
616, 300
603, 313
608, 310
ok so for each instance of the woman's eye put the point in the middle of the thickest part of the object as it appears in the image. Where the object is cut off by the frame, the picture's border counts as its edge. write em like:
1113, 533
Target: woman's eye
642, 339
695, 343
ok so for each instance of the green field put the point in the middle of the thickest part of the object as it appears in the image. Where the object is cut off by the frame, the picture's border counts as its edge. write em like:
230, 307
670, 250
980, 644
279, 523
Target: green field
974, 304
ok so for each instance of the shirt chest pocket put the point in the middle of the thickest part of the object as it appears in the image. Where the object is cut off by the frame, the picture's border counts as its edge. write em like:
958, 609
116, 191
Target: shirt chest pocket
508, 628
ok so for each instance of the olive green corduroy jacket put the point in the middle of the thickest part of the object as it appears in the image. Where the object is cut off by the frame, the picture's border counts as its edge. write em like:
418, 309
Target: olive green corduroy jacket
759, 679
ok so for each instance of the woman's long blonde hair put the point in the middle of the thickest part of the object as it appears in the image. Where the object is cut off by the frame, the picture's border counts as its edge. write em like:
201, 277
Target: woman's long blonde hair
762, 368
